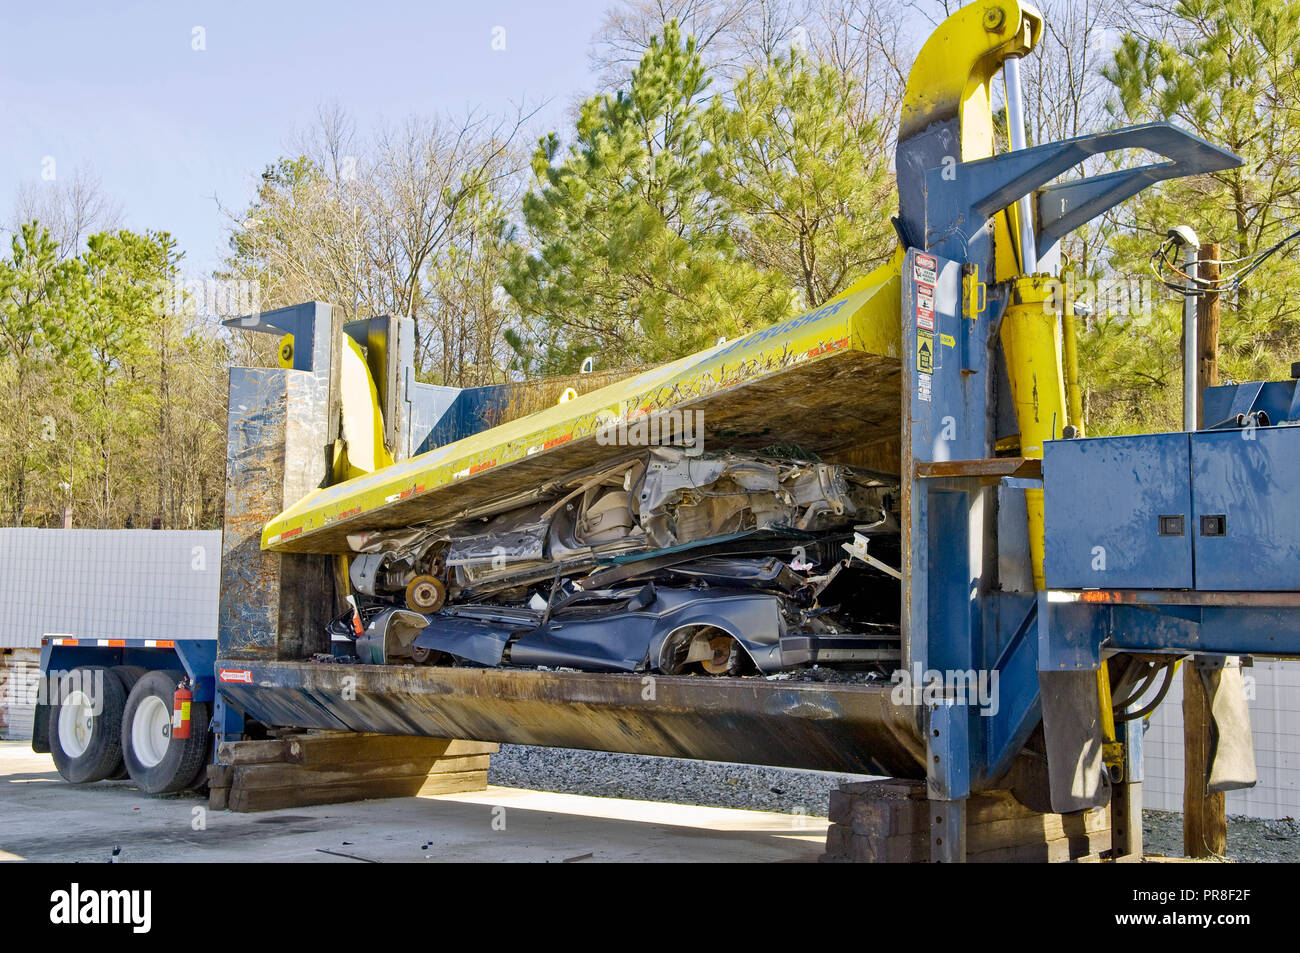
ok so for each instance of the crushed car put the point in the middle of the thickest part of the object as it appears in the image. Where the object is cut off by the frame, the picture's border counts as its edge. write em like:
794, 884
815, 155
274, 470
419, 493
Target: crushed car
667, 561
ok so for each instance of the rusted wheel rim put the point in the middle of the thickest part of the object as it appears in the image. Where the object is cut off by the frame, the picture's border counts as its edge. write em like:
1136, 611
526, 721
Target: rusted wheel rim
724, 655
425, 594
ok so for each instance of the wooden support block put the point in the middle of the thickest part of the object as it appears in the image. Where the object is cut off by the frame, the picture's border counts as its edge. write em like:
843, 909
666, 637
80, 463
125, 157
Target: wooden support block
340, 747
899, 849
253, 798
219, 778
1038, 829
838, 840
288, 775
869, 819
251, 752
327, 767
890, 822
1056, 851
454, 782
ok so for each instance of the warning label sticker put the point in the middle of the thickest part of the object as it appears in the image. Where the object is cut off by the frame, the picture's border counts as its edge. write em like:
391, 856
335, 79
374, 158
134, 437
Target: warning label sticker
924, 296
925, 352
925, 269
923, 386
947, 340
925, 319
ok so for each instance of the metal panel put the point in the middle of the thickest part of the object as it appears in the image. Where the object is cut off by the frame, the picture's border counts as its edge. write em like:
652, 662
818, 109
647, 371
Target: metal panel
118, 583
1249, 478
838, 361
272, 606
945, 395
1104, 499
1225, 402
850, 728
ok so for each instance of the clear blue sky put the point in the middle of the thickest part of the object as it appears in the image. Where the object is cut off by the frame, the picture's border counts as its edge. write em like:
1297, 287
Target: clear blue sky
119, 87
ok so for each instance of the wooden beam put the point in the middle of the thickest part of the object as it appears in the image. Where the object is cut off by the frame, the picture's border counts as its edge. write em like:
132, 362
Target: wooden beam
1205, 817
992, 469
1207, 329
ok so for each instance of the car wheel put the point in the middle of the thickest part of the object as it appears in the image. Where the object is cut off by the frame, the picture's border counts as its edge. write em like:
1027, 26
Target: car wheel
727, 657
425, 594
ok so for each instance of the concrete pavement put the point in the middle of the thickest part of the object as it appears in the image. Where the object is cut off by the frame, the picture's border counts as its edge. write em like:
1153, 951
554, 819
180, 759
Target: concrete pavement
43, 818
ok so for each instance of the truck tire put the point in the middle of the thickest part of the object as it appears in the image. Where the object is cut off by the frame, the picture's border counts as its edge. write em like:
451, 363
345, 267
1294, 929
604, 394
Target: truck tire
157, 762
85, 726
128, 675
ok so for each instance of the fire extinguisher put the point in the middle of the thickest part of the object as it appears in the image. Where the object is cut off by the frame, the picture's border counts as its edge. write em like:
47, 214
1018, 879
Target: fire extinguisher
181, 709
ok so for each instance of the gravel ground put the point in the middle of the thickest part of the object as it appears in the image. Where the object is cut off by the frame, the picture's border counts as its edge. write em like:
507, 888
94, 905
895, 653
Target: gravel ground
790, 791
1249, 840
707, 783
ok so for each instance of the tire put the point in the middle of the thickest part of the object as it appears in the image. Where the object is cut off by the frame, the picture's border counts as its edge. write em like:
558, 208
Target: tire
87, 746
155, 761
128, 675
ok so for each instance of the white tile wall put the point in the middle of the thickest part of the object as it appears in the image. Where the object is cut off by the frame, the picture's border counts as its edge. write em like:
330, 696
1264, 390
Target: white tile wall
1275, 720
128, 583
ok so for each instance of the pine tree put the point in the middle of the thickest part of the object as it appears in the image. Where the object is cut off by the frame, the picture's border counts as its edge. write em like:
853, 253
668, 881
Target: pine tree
1229, 73
809, 185
627, 254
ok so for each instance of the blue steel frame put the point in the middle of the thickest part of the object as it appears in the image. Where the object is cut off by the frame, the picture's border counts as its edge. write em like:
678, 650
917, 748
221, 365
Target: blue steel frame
955, 614
1082, 627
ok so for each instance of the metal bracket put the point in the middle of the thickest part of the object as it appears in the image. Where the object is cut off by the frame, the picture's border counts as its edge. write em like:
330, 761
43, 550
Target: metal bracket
311, 325
989, 185
858, 550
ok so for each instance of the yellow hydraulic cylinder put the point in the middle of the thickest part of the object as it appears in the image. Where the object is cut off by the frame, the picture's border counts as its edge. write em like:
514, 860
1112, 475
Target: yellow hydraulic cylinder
1031, 345
1070, 335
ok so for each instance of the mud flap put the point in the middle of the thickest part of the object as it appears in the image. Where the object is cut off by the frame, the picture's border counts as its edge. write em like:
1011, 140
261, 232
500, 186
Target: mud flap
1232, 749
1072, 733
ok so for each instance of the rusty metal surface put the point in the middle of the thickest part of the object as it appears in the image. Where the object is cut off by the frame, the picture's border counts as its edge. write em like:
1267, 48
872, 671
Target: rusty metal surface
1175, 597
853, 395
851, 728
272, 606
997, 467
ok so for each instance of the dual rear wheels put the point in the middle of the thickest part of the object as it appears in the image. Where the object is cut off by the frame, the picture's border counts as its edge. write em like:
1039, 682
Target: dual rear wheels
117, 722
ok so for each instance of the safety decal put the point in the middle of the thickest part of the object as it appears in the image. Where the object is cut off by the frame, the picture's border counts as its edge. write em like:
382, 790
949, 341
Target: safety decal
924, 296
925, 268
925, 352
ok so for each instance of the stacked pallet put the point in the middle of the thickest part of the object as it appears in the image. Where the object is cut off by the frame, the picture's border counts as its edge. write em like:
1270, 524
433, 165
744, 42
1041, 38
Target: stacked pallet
327, 767
890, 822
19, 680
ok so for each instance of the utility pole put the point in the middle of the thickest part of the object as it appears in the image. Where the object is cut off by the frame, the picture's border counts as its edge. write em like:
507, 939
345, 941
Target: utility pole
1205, 817
1207, 329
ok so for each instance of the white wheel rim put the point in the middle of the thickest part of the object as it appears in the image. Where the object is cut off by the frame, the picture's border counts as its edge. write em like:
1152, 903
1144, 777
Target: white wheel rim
151, 731
76, 723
